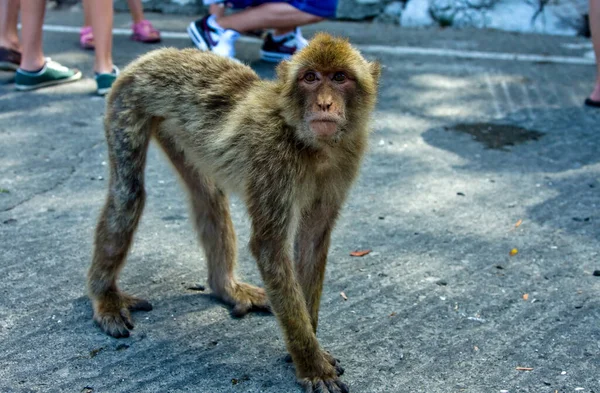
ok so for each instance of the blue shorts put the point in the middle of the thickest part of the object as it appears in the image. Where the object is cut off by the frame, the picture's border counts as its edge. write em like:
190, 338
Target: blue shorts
322, 8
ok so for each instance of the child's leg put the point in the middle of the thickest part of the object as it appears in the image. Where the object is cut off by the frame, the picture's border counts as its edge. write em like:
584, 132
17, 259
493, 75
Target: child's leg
101, 12
9, 16
280, 15
136, 9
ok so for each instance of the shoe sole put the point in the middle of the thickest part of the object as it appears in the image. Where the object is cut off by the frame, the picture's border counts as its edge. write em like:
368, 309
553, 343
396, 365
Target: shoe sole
73, 78
196, 37
274, 57
103, 91
8, 66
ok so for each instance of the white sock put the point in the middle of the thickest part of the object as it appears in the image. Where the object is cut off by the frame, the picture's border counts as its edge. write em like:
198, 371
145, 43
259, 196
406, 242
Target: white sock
281, 37
212, 22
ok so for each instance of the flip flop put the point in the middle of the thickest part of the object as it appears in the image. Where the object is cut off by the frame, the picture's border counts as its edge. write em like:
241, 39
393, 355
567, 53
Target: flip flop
590, 102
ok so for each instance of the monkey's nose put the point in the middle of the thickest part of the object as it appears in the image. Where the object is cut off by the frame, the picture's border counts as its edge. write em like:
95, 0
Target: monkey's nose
324, 105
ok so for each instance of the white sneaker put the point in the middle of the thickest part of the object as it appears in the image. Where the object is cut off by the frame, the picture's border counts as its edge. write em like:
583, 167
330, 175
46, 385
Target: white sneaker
209, 38
284, 48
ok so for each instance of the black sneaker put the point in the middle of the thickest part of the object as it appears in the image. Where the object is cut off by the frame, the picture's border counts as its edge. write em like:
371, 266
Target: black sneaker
9, 59
275, 51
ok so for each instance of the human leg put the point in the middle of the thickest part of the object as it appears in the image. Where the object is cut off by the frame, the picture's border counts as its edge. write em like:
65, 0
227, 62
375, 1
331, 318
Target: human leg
594, 19
10, 48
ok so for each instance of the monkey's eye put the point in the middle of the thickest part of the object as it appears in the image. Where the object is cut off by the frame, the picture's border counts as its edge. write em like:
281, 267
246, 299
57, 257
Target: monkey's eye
310, 77
339, 77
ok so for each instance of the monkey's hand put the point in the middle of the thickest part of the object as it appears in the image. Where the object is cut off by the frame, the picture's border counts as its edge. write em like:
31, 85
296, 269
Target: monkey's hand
112, 312
333, 361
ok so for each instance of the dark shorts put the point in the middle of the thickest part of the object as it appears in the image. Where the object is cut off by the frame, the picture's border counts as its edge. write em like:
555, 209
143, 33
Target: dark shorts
322, 8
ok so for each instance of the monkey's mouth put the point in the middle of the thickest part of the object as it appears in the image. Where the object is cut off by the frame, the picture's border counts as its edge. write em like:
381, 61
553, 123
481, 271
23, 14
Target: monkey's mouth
324, 128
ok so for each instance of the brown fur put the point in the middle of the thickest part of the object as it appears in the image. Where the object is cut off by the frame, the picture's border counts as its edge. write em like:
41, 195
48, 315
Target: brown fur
291, 148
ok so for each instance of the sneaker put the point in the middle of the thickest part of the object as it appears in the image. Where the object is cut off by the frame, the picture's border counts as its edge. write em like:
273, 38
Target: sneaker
51, 74
275, 50
105, 81
9, 59
214, 39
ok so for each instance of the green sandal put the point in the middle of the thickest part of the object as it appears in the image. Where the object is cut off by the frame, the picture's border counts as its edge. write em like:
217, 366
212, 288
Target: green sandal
51, 74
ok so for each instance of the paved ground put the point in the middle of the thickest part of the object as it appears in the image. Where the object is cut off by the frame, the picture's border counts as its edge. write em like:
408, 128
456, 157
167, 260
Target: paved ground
438, 305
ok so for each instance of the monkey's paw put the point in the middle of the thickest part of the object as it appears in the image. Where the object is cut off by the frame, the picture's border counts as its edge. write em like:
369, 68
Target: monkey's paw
324, 385
339, 370
244, 298
112, 313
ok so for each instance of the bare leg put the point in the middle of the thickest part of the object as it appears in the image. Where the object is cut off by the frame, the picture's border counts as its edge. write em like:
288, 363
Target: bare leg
9, 16
136, 9
32, 18
595, 29
217, 9
127, 136
215, 230
87, 17
268, 15
102, 24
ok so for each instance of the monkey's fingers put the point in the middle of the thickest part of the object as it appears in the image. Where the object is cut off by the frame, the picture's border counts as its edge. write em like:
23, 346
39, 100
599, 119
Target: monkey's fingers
325, 386
241, 309
140, 305
115, 324
335, 363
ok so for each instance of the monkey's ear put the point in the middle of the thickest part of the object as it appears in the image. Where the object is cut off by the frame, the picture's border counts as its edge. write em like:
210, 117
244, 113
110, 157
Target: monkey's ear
375, 68
283, 70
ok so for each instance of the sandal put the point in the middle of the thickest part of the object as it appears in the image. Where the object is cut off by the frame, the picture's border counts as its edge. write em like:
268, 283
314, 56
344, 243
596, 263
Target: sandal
86, 37
143, 31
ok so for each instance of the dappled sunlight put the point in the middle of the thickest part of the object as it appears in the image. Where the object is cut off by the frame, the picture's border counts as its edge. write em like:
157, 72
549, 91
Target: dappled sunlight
444, 82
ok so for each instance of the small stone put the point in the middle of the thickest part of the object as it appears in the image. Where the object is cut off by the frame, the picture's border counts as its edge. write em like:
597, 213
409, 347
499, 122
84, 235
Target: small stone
596, 273
441, 283
460, 194
9, 221
121, 347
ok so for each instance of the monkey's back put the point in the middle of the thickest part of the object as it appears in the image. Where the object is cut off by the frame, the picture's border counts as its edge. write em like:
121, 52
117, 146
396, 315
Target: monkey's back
188, 84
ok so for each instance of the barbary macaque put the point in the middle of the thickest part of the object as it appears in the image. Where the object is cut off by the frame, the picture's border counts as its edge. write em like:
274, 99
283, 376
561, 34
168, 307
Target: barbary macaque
290, 148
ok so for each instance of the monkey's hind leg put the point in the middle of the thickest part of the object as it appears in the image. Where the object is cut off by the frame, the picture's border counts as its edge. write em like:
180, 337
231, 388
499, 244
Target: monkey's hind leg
212, 220
127, 144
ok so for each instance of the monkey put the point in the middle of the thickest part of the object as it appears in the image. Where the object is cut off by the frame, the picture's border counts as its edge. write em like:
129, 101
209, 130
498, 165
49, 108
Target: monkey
291, 148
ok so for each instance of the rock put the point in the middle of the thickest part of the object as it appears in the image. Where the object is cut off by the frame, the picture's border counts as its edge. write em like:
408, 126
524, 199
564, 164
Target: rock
359, 9
391, 13
416, 14
516, 15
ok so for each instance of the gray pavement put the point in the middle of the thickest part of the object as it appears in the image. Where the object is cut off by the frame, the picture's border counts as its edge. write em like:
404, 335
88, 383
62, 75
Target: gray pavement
462, 151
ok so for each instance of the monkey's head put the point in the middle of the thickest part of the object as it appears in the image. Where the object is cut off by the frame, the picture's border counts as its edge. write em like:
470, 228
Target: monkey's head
328, 90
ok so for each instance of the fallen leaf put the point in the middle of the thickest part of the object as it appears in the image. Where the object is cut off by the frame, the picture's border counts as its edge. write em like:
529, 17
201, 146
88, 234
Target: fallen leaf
392, 314
525, 296
343, 295
360, 253
513, 252
524, 368
518, 223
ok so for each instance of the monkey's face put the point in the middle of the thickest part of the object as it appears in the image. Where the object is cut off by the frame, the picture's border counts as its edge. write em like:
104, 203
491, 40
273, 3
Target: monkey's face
324, 95
328, 90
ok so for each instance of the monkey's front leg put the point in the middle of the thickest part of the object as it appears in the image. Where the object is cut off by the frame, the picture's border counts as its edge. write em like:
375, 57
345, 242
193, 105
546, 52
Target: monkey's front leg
313, 368
310, 248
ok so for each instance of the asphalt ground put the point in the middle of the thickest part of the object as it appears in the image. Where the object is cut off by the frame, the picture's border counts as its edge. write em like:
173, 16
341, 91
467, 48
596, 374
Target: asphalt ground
470, 158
